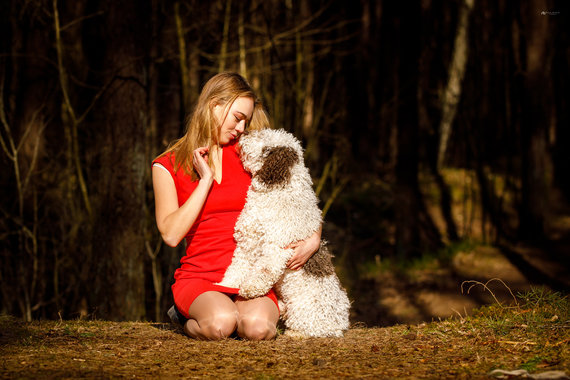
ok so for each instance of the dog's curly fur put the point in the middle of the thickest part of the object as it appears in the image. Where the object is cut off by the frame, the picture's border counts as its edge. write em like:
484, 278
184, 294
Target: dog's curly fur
282, 208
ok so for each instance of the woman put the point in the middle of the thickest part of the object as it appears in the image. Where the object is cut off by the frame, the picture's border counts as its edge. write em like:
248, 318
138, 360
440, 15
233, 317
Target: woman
200, 188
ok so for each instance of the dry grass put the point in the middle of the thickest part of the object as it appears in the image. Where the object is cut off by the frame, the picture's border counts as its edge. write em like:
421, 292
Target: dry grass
533, 336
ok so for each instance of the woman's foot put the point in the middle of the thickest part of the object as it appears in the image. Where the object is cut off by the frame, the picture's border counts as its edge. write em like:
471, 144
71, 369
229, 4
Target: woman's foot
175, 316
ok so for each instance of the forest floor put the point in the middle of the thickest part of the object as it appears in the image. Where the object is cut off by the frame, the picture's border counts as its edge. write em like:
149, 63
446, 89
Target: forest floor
531, 336
457, 314
423, 322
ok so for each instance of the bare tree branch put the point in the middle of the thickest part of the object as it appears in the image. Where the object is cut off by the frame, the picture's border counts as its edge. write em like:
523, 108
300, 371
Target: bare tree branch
80, 19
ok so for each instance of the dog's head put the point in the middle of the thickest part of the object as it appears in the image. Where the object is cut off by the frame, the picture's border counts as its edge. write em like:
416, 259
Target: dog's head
270, 156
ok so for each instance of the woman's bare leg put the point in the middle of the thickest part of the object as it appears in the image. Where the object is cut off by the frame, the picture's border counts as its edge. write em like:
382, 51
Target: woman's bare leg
257, 318
213, 316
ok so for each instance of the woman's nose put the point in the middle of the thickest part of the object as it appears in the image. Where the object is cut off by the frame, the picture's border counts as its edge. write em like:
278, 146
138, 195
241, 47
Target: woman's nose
240, 127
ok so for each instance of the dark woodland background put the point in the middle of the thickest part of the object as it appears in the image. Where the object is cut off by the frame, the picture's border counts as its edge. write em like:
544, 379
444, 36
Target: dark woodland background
389, 98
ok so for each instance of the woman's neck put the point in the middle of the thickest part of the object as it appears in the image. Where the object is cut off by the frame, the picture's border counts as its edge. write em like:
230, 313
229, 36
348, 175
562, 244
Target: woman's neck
217, 153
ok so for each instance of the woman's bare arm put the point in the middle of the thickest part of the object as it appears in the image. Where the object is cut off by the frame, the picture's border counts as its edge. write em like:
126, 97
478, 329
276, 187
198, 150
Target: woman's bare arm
173, 221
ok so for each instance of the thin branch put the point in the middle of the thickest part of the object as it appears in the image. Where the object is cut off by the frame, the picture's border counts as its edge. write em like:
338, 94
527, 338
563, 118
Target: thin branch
324, 176
10, 152
301, 25
152, 253
29, 128
70, 111
95, 98
79, 19
60, 68
486, 287
29, 57
34, 159
334, 195
103, 89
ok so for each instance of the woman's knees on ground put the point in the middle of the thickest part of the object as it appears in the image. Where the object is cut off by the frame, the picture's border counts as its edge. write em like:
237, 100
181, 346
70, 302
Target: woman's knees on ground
222, 325
219, 326
256, 328
214, 316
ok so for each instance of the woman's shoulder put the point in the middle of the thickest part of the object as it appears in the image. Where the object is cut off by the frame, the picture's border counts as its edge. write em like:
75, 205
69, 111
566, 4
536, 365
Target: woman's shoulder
168, 162
166, 159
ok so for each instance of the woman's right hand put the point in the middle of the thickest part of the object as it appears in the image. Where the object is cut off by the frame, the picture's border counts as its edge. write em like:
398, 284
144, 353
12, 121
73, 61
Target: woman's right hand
200, 163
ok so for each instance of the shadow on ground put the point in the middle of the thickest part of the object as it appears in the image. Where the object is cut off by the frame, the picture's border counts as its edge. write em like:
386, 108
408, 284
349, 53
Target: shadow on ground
479, 276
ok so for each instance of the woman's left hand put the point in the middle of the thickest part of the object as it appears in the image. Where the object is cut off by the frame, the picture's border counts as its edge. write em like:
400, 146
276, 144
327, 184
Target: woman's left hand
304, 249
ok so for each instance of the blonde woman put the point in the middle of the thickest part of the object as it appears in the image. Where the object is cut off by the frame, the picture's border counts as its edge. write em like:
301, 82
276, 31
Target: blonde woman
200, 188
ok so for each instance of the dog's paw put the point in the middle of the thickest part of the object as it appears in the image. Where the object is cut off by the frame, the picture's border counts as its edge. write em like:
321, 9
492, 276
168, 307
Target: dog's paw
314, 334
253, 289
295, 334
251, 292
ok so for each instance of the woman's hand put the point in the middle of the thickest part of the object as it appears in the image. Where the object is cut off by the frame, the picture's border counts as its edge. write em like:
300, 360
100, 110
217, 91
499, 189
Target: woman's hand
200, 163
304, 249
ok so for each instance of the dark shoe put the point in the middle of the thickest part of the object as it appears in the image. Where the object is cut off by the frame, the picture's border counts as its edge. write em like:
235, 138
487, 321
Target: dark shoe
175, 316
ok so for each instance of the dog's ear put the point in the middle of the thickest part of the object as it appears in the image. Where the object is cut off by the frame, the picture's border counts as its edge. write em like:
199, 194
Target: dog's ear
320, 264
276, 169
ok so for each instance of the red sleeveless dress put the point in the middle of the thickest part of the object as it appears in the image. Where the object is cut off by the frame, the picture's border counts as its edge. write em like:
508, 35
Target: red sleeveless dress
209, 243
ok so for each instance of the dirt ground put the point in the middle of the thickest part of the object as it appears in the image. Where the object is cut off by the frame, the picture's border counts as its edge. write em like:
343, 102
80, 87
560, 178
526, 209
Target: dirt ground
454, 348
462, 341
391, 336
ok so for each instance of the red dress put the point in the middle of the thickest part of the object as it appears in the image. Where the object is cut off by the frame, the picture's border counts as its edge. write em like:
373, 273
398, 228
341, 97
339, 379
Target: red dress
209, 243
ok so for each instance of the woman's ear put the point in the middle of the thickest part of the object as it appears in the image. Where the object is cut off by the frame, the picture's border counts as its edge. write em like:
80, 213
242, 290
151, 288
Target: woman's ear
277, 164
216, 109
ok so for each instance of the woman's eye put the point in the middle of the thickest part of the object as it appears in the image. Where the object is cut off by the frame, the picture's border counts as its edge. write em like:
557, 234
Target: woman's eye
237, 119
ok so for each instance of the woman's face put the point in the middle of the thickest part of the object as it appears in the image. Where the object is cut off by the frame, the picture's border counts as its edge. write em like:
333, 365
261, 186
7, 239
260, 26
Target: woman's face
234, 123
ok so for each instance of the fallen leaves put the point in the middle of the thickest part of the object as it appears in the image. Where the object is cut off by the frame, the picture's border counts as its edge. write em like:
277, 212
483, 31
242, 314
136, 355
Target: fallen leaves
143, 349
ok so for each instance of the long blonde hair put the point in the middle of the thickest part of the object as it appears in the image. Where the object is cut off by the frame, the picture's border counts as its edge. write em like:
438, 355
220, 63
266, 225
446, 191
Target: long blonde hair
202, 127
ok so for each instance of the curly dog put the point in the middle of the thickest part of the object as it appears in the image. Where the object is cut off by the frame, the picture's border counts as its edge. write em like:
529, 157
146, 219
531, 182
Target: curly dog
282, 208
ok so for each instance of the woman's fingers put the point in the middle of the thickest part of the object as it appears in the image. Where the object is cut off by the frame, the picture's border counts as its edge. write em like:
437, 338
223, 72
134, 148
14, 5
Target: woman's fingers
201, 154
303, 250
200, 162
292, 245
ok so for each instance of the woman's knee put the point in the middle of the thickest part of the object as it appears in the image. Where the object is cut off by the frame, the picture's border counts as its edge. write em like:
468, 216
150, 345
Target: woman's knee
219, 326
256, 328
214, 316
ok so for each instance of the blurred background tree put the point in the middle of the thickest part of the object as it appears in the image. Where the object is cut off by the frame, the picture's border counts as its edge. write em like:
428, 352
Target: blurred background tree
425, 124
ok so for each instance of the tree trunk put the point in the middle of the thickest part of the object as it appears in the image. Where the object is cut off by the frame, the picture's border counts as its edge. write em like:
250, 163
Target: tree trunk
182, 57
430, 112
406, 194
242, 42
225, 36
534, 119
452, 92
560, 136
120, 173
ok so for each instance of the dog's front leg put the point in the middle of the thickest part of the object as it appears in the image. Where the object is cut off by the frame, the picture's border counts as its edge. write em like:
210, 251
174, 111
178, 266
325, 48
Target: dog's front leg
267, 271
241, 262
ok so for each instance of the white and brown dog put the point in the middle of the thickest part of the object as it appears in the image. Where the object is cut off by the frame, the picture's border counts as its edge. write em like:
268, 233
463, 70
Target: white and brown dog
282, 208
